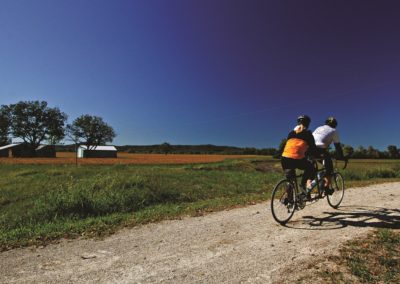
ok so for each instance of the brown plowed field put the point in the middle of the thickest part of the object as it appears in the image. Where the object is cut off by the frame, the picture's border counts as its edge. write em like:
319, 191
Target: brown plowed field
125, 158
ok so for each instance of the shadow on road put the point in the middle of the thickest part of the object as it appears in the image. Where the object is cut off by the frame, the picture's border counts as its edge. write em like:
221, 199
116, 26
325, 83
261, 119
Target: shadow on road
356, 216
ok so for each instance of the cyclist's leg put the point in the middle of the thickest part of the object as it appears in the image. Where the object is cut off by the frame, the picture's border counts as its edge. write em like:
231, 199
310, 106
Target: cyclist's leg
289, 168
309, 172
329, 169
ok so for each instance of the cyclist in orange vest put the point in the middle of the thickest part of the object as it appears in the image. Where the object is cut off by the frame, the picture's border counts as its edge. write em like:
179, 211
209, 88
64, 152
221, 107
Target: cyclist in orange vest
300, 144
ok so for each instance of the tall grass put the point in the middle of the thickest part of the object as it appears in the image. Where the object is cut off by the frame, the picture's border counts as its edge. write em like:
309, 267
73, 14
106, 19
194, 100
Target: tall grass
41, 202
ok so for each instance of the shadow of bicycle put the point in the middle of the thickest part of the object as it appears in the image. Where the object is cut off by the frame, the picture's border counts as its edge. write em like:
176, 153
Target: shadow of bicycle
355, 216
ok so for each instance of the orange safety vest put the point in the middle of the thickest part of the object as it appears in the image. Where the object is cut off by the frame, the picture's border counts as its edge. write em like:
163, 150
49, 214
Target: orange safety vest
295, 148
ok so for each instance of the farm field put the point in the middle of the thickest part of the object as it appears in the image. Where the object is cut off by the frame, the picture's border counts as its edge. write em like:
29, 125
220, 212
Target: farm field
125, 158
44, 202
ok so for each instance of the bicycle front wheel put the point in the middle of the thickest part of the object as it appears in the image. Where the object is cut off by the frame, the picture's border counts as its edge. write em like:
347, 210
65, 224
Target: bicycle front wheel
283, 201
336, 198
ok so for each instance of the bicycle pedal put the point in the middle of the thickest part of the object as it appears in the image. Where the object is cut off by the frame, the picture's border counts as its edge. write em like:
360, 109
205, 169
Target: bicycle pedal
306, 196
329, 191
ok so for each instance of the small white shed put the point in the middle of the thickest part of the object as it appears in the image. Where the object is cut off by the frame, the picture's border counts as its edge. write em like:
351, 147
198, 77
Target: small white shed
97, 152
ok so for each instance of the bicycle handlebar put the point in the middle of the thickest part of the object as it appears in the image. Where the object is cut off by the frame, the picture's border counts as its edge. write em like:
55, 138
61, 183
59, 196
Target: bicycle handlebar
345, 160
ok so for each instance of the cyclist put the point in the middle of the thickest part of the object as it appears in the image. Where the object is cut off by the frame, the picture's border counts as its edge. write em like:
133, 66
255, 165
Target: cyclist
324, 136
300, 142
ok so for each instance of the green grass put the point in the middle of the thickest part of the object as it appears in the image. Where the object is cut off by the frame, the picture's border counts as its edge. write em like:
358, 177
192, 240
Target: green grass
42, 203
373, 259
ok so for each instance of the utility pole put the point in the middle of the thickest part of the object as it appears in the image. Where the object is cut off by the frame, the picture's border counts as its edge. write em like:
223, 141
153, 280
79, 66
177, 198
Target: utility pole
76, 154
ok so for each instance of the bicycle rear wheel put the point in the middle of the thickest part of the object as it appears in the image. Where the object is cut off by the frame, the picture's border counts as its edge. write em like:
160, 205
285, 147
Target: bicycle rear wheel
283, 201
336, 198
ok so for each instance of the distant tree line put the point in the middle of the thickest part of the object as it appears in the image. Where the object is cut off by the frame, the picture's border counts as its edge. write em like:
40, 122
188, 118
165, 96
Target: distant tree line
359, 152
166, 148
34, 122
370, 152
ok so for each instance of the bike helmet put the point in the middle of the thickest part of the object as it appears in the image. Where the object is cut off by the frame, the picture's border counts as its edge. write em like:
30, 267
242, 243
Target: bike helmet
331, 121
304, 120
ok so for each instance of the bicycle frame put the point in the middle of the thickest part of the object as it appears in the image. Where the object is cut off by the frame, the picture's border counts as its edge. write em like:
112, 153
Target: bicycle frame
318, 177
281, 206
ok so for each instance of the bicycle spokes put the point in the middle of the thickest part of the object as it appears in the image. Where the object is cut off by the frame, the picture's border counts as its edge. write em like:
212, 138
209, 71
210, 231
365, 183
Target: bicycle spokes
283, 201
336, 197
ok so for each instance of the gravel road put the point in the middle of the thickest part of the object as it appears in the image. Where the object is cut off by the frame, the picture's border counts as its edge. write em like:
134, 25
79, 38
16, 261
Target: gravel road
242, 245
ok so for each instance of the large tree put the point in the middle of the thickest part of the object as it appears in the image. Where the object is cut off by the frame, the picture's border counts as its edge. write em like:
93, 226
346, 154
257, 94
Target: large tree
91, 131
5, 123
35, 122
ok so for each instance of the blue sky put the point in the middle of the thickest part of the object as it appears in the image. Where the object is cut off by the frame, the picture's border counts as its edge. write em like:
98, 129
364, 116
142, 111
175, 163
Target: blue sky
208, 72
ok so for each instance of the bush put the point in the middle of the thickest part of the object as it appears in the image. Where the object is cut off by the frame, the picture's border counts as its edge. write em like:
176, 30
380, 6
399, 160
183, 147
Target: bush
351, 175
381, 173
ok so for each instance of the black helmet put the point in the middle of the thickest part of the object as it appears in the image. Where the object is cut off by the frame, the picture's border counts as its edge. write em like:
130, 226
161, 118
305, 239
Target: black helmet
304, 120
331, 121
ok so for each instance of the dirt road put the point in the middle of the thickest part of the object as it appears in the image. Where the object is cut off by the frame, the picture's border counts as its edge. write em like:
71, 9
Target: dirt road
242, 245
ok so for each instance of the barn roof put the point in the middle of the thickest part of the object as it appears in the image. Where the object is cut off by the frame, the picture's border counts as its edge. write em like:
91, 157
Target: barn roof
18, 144
100, 148
41, 147
8, 146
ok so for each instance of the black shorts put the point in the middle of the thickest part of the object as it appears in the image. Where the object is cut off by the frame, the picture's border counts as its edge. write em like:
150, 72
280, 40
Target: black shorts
326, 157
302, 164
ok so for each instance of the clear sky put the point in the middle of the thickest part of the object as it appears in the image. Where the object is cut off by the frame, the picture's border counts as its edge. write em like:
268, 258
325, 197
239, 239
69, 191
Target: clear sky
208, 71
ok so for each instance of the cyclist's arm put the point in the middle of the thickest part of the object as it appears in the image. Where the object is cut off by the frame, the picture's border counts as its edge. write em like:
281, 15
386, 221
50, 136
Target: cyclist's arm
339, 151
312, 148
338, 146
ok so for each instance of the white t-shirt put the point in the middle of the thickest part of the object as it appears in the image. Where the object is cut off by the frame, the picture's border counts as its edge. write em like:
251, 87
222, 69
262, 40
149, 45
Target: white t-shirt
325, 135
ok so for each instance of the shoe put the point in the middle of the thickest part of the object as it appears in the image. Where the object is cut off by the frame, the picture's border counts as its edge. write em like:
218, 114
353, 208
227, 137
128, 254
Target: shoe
308, 190
329, 190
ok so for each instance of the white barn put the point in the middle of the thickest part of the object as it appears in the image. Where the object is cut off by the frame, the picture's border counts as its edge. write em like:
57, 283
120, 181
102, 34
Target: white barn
97, 152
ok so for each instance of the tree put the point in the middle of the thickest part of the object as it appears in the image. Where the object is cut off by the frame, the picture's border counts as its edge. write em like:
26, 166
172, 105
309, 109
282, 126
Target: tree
56, 125
5, 123
348, 150
35, 122
166, 148
360, 152
393, 151
372, 153
91, 131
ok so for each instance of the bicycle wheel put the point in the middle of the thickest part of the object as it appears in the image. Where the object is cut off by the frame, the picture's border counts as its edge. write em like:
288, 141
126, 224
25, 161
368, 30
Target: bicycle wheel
283, 201
336, 198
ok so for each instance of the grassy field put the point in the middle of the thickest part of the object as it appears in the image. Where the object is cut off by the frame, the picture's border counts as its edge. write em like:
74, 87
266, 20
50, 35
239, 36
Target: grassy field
44, 202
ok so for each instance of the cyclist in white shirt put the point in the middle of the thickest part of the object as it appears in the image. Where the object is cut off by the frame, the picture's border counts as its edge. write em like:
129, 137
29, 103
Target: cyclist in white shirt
324, 136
